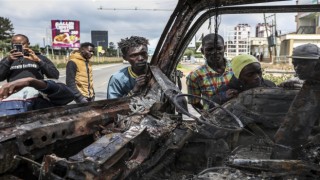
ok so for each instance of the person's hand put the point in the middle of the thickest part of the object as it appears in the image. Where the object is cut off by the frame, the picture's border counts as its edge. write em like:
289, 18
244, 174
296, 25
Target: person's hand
291, 84
30, 55
140, 82
12, 87
81, 100
14, 55
230, 93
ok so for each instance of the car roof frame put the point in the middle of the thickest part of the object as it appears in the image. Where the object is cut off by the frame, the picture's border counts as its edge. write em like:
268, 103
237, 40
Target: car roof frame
177, 33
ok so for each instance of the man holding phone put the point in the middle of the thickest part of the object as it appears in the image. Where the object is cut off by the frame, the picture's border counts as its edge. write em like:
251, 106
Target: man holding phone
22, 62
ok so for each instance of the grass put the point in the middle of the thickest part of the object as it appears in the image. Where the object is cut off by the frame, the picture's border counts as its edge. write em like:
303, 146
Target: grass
186, 69
61, 63
283, 66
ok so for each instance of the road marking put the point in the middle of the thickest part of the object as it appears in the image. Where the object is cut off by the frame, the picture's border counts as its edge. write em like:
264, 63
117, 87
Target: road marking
99, 67
96, 67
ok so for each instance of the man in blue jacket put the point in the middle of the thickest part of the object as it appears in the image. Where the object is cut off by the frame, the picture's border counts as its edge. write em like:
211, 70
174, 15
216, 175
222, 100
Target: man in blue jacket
130, 80
28, 94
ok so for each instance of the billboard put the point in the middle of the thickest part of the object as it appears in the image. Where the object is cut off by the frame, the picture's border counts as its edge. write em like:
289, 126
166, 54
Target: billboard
65, 33
99, 38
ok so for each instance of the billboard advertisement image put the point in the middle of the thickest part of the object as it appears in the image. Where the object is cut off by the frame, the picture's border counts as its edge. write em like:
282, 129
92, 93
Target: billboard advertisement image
65, 33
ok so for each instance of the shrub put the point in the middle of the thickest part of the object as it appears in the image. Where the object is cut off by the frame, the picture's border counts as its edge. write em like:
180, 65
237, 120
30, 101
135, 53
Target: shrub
61, 65
198, 55
277, 79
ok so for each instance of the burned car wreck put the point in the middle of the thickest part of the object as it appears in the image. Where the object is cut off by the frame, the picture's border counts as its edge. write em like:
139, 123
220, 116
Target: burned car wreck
147, 137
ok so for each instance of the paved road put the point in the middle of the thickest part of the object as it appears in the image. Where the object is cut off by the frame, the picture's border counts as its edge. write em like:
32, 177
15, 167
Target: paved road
101, 76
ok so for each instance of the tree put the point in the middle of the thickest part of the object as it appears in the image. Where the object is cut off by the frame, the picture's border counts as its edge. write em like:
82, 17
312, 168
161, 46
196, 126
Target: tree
111, 45
189, 52
112, 52
6, 30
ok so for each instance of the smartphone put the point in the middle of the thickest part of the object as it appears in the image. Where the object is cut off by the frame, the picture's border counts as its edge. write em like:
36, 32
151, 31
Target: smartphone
18, 47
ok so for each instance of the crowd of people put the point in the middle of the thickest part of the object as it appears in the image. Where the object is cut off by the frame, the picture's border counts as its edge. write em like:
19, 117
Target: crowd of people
32, 79
217, 80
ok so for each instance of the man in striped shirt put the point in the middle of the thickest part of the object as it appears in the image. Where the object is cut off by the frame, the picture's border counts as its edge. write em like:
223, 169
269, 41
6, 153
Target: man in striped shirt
206, 80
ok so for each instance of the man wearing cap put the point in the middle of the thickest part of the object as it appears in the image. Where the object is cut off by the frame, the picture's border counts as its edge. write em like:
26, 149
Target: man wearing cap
206, 80
305, 108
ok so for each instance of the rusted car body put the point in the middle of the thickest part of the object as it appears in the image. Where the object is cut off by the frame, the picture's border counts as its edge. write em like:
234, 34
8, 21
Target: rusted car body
146, 137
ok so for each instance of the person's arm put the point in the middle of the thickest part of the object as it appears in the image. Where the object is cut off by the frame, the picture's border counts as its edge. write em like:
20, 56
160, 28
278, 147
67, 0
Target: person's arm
292, 83
71, 70
48, 68
114, 89
5, 65
224, 94
193, 89
45, 65
12, 87
227, 92
57, 93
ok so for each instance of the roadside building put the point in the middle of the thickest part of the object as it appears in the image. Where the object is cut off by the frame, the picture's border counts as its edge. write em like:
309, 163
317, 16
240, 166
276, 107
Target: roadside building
238, 40
307, 31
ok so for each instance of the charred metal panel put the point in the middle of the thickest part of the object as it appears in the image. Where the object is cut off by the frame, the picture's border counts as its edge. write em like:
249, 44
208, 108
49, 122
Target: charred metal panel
292, 167
97, 160
23, 133
300, 120
265, 106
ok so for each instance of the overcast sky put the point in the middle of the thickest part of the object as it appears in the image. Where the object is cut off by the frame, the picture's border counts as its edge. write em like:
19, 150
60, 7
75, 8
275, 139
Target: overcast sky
32, 18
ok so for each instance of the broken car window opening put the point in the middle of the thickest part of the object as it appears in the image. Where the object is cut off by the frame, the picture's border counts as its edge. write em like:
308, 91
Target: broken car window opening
147, 135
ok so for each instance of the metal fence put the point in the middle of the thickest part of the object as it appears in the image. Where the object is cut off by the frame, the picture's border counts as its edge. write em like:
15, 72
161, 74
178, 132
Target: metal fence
281, 60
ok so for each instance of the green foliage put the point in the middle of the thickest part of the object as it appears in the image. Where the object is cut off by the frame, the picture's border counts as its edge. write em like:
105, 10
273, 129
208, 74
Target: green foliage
277, 79
111, 45
6, 30
198, 44
198, 55
35, 48
59, 64
111, 52
189, 52
5, 47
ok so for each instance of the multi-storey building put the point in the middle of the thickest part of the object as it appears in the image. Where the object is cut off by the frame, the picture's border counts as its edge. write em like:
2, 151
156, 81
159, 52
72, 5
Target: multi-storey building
263, 30
237, 40
308, 30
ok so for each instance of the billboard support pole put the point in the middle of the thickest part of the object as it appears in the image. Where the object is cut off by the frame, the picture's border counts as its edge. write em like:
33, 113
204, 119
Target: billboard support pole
98, 50
64, 34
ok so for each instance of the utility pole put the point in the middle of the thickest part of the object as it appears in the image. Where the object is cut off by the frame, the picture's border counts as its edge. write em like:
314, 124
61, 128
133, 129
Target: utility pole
266, 26
275, 34
49, 38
